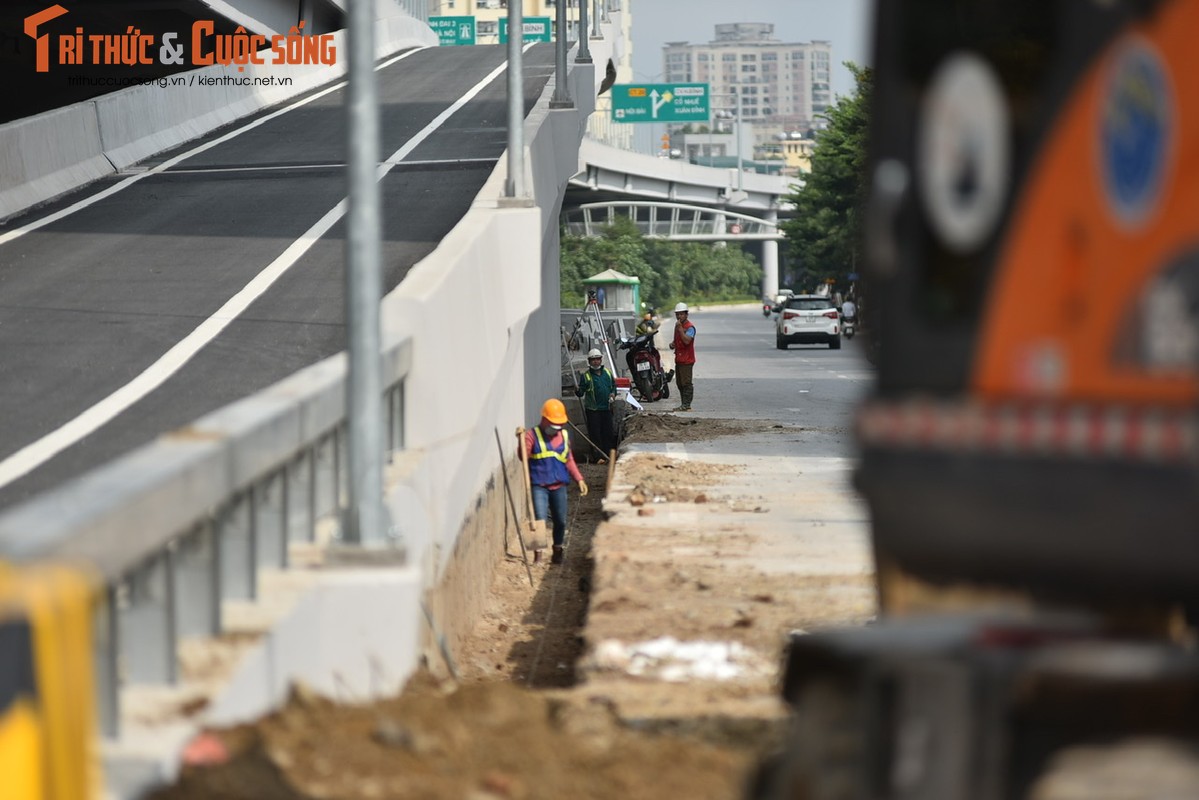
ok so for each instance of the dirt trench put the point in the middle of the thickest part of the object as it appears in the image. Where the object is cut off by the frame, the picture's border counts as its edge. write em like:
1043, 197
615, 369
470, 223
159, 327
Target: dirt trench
518, 723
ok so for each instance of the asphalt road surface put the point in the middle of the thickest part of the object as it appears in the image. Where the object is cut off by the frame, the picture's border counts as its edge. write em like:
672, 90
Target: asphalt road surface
739, 374
96, 299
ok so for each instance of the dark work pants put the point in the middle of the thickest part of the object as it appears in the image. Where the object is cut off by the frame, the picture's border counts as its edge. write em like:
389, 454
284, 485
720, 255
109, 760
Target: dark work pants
682, 379
601, 430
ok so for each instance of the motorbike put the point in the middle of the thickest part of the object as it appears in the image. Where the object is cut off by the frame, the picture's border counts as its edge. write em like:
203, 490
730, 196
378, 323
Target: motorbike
848, 327
645, 367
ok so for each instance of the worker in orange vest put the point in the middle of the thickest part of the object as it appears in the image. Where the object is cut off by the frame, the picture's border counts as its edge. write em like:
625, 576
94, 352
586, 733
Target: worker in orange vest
551, 468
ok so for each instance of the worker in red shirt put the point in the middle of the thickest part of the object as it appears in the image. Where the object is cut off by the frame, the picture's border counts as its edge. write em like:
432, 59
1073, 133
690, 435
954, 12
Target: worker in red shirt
551, 469
684, 356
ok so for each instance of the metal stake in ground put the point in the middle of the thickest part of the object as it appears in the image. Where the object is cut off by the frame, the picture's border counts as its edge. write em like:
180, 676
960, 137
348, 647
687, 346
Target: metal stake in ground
512, 502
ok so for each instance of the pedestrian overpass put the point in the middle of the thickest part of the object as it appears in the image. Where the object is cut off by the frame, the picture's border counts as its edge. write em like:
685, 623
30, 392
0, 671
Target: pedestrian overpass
676, 200
677, 222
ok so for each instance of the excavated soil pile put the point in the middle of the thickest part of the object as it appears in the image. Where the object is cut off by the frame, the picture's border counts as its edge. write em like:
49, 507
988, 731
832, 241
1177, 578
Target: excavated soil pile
477, 742
659, 479
674, 428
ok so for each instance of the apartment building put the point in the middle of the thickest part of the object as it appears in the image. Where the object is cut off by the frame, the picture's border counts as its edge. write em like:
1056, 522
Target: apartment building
783, 86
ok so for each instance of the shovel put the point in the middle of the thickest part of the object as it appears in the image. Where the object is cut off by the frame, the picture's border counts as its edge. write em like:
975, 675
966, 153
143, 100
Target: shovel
535, 540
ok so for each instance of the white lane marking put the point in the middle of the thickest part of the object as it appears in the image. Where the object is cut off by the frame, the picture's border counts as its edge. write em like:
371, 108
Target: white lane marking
134, 178
275, 168
37, 453
430, 162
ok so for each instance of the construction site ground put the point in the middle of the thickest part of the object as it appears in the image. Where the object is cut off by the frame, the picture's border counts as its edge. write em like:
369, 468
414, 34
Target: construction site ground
645, 666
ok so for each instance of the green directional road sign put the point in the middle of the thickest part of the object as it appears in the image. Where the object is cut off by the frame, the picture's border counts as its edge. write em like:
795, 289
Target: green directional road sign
660, 102
453, 30
537, 29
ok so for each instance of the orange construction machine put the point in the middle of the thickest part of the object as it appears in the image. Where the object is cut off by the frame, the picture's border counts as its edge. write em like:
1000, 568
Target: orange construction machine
1030, 455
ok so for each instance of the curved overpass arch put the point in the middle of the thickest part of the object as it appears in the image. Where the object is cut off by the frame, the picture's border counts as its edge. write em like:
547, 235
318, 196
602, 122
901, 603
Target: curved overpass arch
678, 222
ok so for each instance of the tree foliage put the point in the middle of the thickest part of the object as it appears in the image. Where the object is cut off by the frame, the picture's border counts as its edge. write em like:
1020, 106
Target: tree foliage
825, 237
669, 271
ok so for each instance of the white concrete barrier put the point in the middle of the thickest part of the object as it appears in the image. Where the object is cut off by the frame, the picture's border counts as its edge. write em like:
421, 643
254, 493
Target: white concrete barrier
352, 635
48, 154
485, 348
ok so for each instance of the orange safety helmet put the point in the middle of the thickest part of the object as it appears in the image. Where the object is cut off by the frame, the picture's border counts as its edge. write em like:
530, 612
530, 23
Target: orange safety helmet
554, 411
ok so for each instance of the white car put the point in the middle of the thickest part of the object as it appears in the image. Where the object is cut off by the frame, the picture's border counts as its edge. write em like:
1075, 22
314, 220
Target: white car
808, 319
780, 300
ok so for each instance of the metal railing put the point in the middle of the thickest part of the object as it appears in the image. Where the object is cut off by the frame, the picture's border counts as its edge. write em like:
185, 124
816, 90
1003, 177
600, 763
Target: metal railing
674, 221
215, 503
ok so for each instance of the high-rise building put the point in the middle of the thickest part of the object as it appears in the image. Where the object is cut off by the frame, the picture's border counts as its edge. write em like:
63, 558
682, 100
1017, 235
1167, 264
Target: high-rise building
782, 85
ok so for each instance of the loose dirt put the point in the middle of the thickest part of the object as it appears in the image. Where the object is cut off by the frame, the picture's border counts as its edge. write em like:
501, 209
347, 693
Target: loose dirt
537, 711
681, 428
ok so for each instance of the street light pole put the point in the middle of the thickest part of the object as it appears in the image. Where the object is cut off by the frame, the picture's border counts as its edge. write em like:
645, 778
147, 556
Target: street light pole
365, 521
655, 143
514, 186
584, 54
711, 135
561, 96
740, 170
737, 119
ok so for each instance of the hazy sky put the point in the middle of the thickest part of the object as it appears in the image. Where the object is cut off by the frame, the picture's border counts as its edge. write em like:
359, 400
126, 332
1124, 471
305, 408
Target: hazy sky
845, 23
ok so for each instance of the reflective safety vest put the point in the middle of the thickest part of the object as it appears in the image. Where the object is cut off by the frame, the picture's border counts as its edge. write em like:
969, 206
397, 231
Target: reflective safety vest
597, 392
547, 466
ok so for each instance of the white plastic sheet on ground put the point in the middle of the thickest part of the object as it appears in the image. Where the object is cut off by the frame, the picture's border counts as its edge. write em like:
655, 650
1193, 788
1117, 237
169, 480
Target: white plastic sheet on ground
668, 659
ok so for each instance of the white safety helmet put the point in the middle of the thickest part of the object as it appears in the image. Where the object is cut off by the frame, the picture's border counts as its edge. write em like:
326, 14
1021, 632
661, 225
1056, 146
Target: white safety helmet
595, 353
680, 307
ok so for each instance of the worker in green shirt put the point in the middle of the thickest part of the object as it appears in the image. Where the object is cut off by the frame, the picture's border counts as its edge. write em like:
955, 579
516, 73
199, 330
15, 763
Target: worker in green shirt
597, 387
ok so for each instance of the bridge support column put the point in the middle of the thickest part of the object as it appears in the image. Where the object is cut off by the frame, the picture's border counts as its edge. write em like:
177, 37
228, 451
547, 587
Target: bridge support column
770, 260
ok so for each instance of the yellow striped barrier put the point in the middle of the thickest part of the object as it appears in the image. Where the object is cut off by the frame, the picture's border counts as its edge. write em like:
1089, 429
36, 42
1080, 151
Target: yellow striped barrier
47, 697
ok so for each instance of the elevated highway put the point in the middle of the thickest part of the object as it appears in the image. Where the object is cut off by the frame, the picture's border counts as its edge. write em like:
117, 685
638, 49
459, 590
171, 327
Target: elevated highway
102, 295
177, 392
